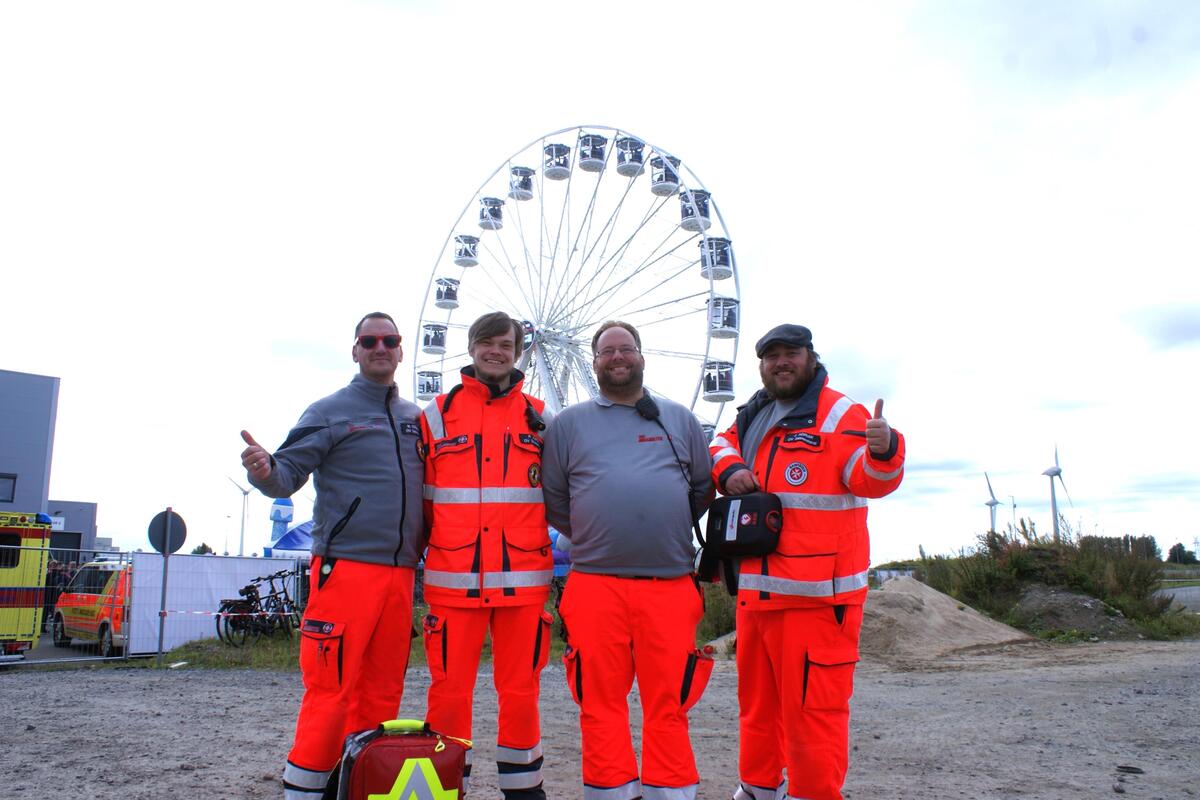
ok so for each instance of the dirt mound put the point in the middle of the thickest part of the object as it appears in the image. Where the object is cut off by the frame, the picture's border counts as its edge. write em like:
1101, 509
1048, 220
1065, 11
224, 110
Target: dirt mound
907, 620
1050, 609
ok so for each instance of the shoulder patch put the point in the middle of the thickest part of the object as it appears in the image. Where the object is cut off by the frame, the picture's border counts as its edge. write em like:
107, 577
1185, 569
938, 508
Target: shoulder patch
530, 439
410, 429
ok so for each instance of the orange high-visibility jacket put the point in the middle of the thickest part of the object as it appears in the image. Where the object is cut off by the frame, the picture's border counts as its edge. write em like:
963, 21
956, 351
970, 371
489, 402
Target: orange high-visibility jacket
488, 544
817, 461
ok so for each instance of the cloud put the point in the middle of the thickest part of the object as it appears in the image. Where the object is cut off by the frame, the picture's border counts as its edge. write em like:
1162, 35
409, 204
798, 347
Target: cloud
1167, 327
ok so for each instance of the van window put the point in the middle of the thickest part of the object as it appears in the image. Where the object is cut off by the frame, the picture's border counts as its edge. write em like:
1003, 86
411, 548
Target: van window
10, 553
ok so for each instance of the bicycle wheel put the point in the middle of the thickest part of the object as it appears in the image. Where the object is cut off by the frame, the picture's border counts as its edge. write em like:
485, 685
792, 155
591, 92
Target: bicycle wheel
237, 624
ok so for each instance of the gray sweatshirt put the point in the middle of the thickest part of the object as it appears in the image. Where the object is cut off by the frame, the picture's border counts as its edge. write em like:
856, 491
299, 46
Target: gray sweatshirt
361, 445
613, 487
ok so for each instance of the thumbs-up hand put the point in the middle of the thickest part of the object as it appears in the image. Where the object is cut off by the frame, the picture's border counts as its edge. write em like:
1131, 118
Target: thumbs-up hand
255, 459
879, 433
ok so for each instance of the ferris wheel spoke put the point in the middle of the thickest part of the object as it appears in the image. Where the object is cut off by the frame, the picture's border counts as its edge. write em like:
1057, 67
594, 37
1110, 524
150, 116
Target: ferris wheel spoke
610, 227
610, 296
532, 273
603, 271
492, 279
516, 281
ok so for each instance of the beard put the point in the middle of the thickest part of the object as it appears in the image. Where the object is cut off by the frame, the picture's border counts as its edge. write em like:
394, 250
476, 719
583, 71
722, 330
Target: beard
789, 384
631, 382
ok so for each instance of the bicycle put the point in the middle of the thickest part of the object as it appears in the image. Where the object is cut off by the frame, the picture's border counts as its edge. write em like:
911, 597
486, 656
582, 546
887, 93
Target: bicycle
252, 615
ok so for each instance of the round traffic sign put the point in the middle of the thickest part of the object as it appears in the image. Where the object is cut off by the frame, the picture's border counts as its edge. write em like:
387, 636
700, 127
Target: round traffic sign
158, 532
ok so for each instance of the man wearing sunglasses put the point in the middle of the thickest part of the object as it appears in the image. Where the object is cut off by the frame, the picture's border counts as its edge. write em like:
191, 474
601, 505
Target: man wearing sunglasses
362, 445
489, 563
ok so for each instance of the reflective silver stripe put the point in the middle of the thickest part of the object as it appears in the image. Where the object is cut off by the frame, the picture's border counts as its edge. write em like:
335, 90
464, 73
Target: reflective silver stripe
433, 418
881, 476
520, 780
490, 494
724, 452
669, 792
747, 792
850, 583
627, 791
821, 502
291, 793
721, 440
835, 414
505, 580
770, 583
451, 580
511, 756
854, 459
305, 778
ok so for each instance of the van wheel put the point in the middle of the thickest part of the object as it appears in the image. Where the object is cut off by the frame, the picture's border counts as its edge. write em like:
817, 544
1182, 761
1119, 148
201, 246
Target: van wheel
106, 643
60, 633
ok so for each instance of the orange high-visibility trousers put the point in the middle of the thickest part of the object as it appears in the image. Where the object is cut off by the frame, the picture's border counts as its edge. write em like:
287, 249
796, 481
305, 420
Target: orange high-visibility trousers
520, 647
354, 643
619, 628
795, 677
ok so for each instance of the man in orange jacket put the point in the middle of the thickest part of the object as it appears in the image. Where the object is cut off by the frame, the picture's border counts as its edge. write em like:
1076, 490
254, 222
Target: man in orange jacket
799, 609
489, 563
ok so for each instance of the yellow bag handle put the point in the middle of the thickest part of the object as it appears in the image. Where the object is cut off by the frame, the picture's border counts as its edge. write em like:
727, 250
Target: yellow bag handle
404, 726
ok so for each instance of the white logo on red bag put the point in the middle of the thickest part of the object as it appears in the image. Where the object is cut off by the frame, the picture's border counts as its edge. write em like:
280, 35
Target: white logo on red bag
796, 473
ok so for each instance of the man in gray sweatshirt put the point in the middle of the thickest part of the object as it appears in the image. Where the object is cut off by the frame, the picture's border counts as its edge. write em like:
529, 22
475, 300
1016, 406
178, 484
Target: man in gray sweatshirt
623, 476
362, 444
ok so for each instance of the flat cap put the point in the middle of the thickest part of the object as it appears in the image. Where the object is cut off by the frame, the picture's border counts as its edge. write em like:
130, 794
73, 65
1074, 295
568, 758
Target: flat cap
794, 335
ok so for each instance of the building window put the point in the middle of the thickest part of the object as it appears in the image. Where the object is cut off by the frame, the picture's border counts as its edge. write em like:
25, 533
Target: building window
8, 487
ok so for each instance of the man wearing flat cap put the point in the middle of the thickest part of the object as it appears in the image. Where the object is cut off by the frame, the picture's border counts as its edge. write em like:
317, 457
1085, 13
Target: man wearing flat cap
799, 609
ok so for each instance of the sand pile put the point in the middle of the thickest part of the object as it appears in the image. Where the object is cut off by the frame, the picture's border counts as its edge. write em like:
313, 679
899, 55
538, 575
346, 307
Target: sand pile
906, 620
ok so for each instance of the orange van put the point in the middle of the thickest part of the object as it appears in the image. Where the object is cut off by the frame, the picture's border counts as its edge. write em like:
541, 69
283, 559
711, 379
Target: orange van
94, 607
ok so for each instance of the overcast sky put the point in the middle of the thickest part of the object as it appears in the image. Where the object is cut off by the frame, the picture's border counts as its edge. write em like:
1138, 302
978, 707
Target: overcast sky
986, 212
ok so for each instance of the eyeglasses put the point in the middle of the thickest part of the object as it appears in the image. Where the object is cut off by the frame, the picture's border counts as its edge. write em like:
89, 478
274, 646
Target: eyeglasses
609, 352
368, 342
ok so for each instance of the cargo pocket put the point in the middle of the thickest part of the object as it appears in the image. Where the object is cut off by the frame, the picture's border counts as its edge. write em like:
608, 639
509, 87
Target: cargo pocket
695, 678
435, 646
574, 667
829, 678
541, 642
321, 654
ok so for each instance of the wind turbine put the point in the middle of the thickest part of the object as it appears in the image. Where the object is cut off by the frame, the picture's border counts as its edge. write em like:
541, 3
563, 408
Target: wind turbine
991, 504
245, 497
1052, 473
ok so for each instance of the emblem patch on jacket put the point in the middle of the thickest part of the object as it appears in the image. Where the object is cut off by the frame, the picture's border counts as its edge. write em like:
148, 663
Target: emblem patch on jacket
796, 473
535, 475
530, 439
410, 428
422, 449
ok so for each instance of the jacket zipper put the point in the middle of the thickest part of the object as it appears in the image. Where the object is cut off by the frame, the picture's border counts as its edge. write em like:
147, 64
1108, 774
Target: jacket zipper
387, 407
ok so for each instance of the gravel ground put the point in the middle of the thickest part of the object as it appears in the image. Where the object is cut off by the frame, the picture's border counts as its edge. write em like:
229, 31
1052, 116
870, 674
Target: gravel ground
1012, 720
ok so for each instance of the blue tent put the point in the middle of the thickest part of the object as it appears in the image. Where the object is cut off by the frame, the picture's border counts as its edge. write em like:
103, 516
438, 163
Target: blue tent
296, 543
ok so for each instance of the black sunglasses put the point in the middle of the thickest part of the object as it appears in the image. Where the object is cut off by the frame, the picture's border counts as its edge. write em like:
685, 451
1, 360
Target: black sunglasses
368, 342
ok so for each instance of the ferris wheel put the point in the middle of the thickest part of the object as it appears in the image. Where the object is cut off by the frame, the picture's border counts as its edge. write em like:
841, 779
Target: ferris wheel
584, 225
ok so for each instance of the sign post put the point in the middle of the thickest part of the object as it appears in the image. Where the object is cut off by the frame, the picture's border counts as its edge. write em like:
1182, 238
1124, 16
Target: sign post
167, 532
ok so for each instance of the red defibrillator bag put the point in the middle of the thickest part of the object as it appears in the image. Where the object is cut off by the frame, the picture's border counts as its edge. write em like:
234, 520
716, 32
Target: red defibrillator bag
400, 758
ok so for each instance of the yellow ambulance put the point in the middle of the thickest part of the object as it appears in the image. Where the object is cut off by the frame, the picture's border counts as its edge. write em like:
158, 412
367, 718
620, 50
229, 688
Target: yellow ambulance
24, 553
